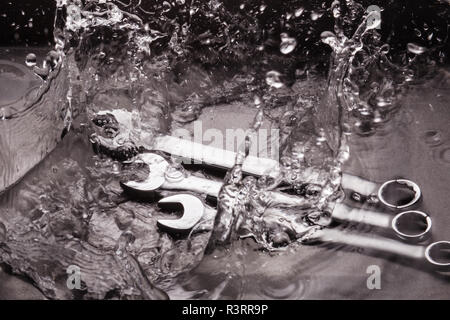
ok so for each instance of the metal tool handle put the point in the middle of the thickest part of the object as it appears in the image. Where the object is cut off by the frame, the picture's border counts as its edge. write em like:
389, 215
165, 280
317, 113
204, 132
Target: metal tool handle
382, 220
212, 188
369, 242
214, 156
360, 185
345, 213
195, 184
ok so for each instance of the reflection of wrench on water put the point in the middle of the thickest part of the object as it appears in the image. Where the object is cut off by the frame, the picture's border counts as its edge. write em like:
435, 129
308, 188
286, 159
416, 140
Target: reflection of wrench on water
435, 254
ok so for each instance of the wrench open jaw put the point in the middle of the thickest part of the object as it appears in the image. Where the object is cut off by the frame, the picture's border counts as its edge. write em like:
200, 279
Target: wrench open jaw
163, 176
193, 210
156, 177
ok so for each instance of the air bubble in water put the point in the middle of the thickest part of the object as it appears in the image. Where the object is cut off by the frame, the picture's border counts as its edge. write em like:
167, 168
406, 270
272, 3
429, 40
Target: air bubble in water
415, 48
273, 79
288, 44
30, 60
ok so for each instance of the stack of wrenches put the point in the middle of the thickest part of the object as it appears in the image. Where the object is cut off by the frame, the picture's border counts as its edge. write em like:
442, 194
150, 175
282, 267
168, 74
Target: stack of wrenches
163, 176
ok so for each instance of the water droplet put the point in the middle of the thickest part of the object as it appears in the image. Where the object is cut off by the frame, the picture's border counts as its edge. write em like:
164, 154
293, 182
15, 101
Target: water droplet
116, 168
384, 49
273, 79
443, 155
316, 15
356, 196
373, 199
288, 44
299, 12
336, 12
166, 6
115, 15
432, 137
321, 138
383, 102
415, 48
173, 175
377, 118
257, 101
74, 12
30, 60
330, 39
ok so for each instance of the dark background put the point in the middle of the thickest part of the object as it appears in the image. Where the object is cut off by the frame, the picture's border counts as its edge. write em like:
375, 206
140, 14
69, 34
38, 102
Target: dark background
15, 16
402, 21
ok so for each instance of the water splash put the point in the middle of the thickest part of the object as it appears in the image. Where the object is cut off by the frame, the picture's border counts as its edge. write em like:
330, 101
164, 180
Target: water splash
158, 65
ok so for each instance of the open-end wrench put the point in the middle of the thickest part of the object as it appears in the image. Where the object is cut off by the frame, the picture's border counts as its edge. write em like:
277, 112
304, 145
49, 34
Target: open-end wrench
434, 253
163, 175
216, 157
193, 211
194, 152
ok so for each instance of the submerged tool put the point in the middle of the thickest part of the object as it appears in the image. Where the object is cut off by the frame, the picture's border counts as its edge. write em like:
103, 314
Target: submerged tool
435, 254
216, 157
186, 150
258, 166
163, 175
412, 225
394, 194
193, 212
